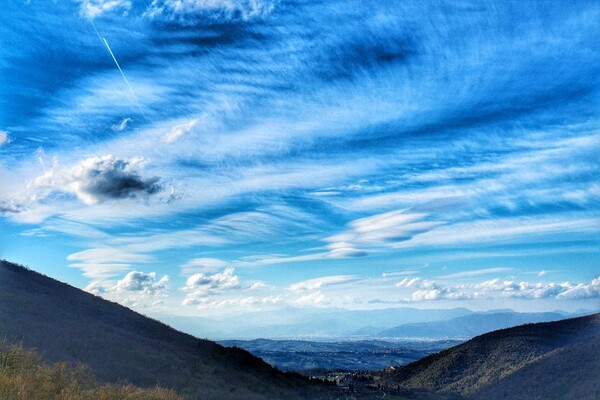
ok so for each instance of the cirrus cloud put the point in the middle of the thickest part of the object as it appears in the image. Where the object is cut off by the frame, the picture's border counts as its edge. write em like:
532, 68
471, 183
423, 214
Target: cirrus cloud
188, 12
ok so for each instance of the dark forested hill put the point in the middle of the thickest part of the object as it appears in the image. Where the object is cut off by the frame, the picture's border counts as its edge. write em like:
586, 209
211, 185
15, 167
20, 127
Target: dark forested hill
67, 324
554, 360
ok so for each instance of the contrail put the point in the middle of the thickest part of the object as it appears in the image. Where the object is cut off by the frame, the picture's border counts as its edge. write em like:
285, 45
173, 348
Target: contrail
120, 70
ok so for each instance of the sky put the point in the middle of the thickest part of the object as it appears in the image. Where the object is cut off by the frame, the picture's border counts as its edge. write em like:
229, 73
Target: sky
214, 157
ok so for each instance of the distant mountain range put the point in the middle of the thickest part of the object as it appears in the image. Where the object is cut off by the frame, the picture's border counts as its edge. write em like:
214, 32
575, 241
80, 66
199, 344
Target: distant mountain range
467, 326
68, 324
554, 360
399, 323
307, 323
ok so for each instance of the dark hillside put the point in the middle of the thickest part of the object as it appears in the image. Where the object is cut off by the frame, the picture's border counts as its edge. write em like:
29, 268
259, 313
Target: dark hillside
572, 372
488, 361
68, 324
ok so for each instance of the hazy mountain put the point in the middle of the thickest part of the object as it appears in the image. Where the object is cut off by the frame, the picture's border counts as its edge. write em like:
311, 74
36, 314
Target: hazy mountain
308, 323
553, 360
467, 326
68, 324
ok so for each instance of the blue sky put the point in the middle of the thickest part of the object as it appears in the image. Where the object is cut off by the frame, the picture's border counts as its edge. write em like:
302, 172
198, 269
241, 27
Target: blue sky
260, 155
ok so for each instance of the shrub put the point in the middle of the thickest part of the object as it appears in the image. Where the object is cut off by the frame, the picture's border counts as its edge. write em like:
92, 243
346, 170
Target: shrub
25, 376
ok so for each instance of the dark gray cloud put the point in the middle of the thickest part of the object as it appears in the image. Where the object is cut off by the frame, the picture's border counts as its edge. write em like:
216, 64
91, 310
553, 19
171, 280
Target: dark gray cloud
98, 179
10, 207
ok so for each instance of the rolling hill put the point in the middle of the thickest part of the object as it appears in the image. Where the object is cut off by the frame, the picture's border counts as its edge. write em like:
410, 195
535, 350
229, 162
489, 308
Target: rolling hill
118, 344
553, 360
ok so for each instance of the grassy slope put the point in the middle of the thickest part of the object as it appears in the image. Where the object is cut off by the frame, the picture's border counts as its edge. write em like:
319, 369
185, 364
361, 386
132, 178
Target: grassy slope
483, 361
67, 324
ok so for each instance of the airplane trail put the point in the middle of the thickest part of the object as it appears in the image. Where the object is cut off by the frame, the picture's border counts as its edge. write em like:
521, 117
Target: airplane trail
135, 99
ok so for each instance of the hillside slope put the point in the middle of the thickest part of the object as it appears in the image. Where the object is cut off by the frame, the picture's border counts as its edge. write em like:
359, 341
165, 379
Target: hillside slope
572, 372
468, 326
68, 324
486, 366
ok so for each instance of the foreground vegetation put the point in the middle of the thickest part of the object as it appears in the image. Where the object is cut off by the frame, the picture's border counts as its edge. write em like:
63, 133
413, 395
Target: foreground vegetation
24, 376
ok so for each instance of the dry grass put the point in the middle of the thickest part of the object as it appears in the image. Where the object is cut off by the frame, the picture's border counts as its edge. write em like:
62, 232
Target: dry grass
25, 376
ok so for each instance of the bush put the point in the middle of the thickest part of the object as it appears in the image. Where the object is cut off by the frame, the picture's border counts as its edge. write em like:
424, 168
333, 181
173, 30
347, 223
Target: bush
24, 376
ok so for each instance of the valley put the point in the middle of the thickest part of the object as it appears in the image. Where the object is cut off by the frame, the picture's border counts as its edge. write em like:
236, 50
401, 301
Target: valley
312, 358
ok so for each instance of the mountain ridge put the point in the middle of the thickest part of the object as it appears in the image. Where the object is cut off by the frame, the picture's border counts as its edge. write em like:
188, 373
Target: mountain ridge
67, 324
468, 326
481, 364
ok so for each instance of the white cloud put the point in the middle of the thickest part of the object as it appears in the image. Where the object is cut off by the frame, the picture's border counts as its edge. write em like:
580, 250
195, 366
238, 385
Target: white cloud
202, 285
187, 12
97, 179
137, 281
478, 272
257, 285
408, 282
108, 254
197, 265
121, 126
484, 231
380, 230
101, 270
527, 290
316, 298
3, 137
210, 304
105, 262
179, 130
317, 283
221, 281
582, 291
344, 250
136, 289
95, 8
428, 290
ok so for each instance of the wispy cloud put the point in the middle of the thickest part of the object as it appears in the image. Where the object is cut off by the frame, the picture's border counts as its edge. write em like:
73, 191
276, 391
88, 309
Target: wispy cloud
317, 283
198, 265
3, 137
478, 272
304, 135
179, 130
